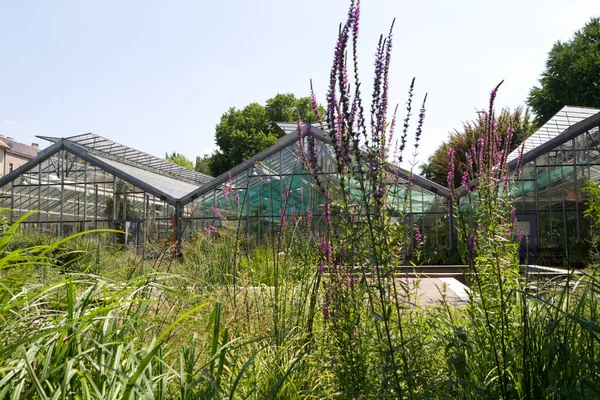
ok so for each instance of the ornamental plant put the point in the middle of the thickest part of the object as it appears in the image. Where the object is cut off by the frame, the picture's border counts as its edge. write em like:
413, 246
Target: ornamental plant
364, 304
487, 228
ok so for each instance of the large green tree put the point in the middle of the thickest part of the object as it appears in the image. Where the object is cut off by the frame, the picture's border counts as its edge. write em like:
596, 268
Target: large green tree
572, 75
180, 160
204, 164
243, 133
438, 165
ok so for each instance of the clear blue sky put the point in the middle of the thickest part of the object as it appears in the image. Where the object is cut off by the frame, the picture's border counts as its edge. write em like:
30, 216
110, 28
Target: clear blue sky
157, 75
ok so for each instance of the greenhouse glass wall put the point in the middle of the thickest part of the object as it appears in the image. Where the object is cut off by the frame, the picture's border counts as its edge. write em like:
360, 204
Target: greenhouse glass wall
557, 162
274, 186
88, 181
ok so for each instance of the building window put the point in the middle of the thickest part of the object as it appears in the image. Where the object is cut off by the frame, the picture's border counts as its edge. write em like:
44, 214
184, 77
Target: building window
10, 167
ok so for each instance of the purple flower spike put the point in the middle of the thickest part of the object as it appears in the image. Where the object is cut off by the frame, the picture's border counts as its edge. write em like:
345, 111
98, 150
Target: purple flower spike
418, 236
472, 242
450, 177
465, 181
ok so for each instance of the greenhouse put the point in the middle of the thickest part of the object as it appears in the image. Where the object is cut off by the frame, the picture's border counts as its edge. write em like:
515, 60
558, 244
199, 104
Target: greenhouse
87, 181
557, 162
276, 183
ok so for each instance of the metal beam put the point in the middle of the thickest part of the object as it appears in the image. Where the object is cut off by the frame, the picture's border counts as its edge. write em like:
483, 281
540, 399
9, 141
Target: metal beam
570, 133
87, 156
40, 158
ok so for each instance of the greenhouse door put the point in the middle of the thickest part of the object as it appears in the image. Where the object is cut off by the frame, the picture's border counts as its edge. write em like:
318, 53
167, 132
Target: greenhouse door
527, 223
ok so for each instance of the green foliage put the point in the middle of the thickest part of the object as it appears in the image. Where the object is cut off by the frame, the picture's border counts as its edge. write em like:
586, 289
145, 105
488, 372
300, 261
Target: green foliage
440, 255
462, 141
572, 75
204, 164
288, 108
592, 212
4, 223
240, 135
243, 133
179, 159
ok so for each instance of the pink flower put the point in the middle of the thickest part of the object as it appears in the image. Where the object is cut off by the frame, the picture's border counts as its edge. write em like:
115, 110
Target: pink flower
520, 234
418, 236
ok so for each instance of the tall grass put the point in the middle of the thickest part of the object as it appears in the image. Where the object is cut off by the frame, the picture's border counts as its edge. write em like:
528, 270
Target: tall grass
81, 335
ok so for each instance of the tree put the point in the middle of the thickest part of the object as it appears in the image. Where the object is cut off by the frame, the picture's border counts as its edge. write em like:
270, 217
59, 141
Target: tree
204, 164
243, 133
438, 165
180, 160
572, 75
285, 108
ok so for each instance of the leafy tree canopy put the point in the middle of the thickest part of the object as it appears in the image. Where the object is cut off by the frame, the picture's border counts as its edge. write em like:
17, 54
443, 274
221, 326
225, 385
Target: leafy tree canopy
572, 75
438, 165
243, 133
180, 160
204, 164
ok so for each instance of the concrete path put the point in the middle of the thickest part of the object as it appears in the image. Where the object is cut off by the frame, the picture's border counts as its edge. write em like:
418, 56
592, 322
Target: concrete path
429, 291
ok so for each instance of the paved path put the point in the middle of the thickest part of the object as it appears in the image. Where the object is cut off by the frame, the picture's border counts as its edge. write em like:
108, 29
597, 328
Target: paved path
432, 290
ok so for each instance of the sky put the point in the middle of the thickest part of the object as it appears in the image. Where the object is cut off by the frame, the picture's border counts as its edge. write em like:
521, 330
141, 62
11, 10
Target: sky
158, 75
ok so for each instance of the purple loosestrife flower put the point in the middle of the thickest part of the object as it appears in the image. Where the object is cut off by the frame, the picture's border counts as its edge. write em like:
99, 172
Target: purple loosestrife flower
282, 217
450, 177
321, 265
465, 181
315, 105
469, 161
392, 126
347, 281
520, 235
377, 86
237, 198
338, 67
218, 213
472, 242
493, 95
406, 119
418, 236
287, 192
312, 151
480, 150
383, 103
420, 123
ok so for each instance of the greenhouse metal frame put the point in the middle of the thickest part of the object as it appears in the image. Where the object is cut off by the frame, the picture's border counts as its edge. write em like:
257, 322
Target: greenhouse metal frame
88, 181
557, 161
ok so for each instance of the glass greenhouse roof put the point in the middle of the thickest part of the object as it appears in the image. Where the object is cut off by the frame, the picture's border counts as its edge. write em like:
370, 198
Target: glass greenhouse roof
264, 176
125, 154
560, 122
265, 179
173, 187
